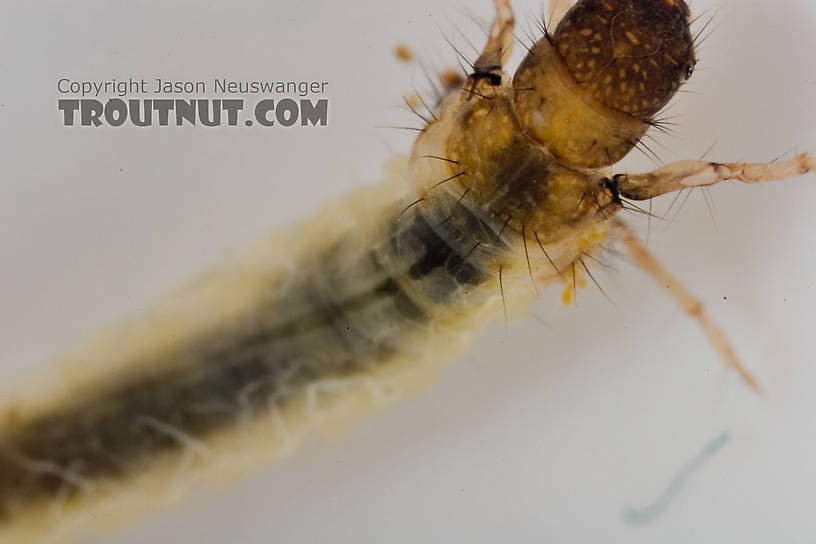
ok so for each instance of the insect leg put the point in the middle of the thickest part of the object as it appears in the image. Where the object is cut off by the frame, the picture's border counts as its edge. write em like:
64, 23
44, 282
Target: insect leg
690, 304
558, 8
494, 55
685, 174
499, 42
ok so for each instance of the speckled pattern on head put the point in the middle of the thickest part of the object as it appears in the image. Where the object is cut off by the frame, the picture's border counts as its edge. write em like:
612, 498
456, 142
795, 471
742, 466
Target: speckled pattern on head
631, 55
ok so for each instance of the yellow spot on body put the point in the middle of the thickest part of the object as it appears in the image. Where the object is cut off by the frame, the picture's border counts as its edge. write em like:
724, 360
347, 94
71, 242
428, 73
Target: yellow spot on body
586, 32
622, 74
632, 38
592, 239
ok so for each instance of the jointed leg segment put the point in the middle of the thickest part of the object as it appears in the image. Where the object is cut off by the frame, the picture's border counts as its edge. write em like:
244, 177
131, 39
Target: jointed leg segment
690, 304
558, 8
499, 42
687, 174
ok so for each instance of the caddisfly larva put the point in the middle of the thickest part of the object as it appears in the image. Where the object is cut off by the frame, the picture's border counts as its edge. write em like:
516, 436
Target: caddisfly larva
506, 192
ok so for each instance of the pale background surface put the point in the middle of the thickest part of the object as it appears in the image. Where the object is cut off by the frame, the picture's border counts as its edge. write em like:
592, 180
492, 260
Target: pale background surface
546, 437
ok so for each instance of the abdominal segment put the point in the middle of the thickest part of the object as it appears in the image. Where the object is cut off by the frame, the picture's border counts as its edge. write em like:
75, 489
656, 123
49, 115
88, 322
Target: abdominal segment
358, 311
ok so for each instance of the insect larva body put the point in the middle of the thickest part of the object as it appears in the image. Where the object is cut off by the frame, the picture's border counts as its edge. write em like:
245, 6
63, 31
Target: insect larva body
504, 194
371, 298
374, 300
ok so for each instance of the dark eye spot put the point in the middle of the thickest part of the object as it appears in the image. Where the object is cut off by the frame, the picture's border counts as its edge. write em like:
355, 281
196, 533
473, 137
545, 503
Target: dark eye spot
687, 71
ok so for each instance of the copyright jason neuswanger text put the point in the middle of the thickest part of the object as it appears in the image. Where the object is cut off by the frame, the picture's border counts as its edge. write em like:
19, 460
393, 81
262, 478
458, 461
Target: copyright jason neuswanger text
114, 102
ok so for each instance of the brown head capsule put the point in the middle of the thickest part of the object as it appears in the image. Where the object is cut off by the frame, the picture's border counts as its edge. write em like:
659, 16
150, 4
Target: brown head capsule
588, 91
630, 55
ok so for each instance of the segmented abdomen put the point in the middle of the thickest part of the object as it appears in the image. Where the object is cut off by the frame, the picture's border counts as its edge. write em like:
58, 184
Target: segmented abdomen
354, 315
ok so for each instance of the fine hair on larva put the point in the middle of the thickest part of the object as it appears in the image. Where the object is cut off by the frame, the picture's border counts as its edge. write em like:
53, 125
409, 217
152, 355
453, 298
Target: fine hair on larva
510, 188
